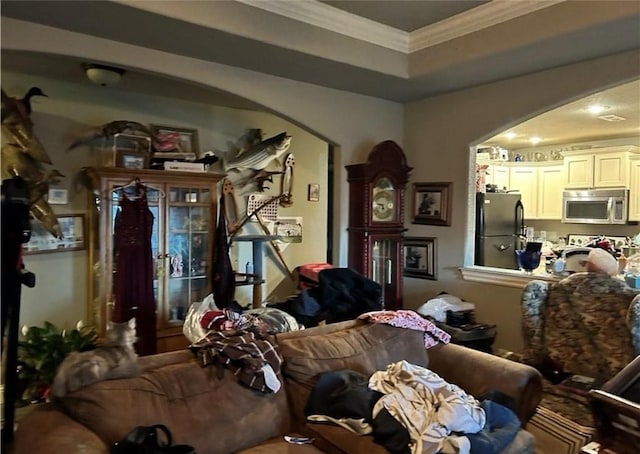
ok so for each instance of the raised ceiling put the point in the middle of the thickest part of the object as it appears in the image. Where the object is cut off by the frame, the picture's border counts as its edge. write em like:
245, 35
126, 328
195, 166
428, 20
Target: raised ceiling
573, 123
397, 50
407, 16
338, 45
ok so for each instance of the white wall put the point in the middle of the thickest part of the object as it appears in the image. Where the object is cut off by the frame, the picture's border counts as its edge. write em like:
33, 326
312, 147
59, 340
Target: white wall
353, 123
438, 134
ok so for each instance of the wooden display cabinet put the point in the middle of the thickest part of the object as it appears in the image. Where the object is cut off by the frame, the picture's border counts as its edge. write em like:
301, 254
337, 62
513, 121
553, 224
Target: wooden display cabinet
376, 218
184, 206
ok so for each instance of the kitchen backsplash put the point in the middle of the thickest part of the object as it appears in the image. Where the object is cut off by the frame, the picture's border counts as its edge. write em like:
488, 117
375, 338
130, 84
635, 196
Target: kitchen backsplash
563, 230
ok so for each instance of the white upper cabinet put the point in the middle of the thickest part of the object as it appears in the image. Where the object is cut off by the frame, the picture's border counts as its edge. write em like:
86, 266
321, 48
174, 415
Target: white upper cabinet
550, 186
598, 168
523, 180
540, 187
498, 175
579, 171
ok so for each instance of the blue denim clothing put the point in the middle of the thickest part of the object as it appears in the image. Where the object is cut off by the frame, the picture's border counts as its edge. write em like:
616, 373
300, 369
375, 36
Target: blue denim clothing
501, 428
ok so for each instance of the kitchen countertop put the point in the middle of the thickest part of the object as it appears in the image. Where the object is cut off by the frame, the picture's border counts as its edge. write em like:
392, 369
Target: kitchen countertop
504, 277
509, 278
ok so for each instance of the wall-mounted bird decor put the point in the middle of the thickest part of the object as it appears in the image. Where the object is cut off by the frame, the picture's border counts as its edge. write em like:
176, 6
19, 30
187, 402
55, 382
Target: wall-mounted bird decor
23, 155
15, 162
17, 126
109, 130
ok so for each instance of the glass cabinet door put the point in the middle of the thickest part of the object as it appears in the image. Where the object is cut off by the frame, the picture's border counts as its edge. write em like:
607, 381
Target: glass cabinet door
184, 216
186, 251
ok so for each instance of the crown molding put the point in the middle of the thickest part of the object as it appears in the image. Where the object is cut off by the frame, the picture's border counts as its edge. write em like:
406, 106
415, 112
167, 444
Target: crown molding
478, 18
333, 19
336, 20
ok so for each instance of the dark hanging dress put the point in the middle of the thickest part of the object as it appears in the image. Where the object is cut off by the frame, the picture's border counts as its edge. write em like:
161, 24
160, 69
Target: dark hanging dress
133, 280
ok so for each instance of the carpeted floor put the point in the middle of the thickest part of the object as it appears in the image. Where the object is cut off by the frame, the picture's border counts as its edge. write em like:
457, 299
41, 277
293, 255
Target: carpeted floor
557, 435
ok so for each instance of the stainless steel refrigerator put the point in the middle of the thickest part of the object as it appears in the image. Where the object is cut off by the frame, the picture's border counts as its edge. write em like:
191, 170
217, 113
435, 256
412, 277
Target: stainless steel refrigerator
499, 225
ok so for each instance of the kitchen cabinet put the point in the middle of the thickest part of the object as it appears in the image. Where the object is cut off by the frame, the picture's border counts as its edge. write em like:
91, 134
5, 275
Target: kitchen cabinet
598, 168
498, 175
550, 182
184, 206
634, 188
540, 187
523, 180
376, 219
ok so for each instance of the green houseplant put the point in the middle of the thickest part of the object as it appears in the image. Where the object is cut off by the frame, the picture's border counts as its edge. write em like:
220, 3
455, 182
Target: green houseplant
42, 349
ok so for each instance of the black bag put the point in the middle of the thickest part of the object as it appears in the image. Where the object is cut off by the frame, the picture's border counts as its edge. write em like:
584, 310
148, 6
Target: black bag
146, 440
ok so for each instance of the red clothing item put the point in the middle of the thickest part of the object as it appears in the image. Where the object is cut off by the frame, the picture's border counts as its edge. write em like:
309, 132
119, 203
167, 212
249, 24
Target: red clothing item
410, 320
133, 279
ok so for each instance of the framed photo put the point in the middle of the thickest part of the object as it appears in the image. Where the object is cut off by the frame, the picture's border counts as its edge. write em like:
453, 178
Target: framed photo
314, 192
73, 236
432, 203
181, 140
131, 159
420, 258
58, 196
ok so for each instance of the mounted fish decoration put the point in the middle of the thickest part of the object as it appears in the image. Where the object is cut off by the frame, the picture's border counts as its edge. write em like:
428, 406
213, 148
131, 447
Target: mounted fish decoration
260, 155
17, 127
17, 163
109, 130
260, 177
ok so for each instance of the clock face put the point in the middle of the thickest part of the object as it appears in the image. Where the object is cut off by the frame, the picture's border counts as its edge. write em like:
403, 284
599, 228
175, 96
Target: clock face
383, 201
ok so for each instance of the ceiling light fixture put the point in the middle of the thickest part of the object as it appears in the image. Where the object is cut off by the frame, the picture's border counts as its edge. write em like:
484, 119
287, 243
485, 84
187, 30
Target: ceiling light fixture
611, 117
103, 75
535, 140
597, 108
510, 135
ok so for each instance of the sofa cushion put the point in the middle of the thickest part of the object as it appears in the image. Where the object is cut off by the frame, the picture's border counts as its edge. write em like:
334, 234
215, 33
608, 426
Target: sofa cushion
355, 345
336, 439
190, 400
279, 446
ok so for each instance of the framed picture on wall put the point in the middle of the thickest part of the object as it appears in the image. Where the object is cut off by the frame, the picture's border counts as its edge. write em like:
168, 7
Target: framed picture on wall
132, 159
170, 138
432, 203
419, 258
313, 192
73, 236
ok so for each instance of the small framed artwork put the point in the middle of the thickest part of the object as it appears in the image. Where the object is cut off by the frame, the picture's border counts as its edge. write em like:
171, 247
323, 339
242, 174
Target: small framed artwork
58, 196
432, 203
132, 159
420, 258
314, 192
181, 140
72, 227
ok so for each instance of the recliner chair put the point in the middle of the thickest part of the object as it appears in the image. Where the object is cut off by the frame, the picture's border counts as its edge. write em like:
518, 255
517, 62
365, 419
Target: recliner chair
616, 409
587, 324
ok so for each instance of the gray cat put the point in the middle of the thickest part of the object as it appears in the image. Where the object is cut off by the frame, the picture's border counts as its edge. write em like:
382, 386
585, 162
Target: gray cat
116, 358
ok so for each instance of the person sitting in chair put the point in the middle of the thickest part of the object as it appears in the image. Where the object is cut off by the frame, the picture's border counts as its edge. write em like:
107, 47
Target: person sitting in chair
600, 261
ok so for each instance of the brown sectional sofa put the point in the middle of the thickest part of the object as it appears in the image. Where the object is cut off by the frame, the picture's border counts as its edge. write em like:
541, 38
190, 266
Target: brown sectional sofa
218, 415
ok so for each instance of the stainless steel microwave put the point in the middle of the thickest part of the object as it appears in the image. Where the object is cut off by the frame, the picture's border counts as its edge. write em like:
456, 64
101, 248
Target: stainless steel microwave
596, 206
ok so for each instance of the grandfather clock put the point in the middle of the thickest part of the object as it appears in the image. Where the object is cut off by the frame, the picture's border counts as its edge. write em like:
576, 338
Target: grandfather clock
376, 218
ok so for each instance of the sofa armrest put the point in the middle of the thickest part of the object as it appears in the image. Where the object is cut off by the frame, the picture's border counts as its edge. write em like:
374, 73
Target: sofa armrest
48, 429
479, 373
